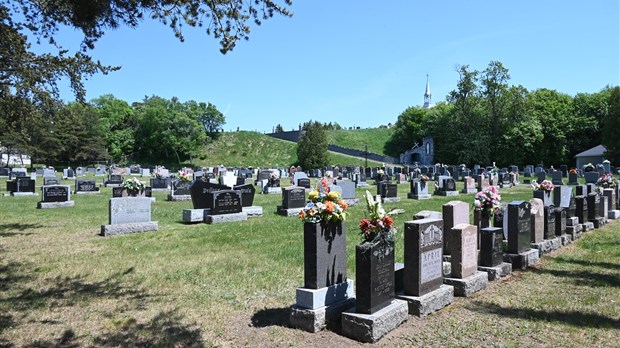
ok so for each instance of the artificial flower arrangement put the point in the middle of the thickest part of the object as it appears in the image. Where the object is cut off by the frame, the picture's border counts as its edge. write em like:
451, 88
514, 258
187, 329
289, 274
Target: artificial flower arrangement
487, 200
607, 181
133, 184
157, 174
183, 176
544, 185
573, 171
378, 225
324, 205
423, 178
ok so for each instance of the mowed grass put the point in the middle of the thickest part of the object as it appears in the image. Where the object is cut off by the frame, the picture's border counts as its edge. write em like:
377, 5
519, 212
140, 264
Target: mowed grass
253, 149
357, 139
232, 284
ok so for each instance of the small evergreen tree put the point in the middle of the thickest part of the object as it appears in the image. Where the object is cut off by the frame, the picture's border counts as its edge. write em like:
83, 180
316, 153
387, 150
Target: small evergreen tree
312, 146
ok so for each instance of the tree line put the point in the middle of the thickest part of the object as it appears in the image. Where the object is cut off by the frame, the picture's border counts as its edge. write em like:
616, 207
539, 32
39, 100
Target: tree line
155, 130
485, 120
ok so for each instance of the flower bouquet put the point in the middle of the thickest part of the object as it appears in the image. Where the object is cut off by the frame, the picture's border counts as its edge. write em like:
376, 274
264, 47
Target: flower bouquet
378, 225
324, 205
133, 186
607, 181
487, 200
545, 185
183, 176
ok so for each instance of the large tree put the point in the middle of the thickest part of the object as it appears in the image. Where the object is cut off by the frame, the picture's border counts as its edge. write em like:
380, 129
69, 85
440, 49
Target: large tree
312, 146
611, 129
408, 130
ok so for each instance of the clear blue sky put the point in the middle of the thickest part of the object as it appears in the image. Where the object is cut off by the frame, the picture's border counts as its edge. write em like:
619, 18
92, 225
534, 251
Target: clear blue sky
363, 62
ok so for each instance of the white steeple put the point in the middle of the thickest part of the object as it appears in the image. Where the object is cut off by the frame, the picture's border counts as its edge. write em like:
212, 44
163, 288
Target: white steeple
427, 96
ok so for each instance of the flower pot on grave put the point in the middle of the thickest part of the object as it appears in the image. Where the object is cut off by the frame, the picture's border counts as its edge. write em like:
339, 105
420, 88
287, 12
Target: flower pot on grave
543, 195
325, 254
482, 218
374, 276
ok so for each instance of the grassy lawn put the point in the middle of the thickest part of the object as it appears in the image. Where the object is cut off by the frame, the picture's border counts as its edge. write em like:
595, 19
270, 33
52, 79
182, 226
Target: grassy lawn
357, 139
232, 284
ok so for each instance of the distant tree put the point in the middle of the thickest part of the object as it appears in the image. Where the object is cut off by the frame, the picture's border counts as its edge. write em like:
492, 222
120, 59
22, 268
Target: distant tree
586, 125
408, 130
78, 133
611, 127
279, 129
553, 110
117, 122
312, 146
207, 114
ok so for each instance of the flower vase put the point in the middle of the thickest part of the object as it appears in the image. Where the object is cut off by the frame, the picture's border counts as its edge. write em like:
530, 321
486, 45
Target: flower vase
482, 218
325, 254
543, 195
374, 276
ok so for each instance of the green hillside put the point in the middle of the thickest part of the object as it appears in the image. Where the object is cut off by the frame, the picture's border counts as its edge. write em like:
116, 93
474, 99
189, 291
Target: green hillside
253, 149
357, 139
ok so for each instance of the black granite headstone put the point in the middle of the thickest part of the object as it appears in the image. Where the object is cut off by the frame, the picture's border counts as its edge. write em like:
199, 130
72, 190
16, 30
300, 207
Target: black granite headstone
159, 183
226, 202
55, 193
423, 256
304, 182
181, 188
581, 209
519, 227
202, 193
293, 197
374, 276
247, 194
491, 239
593, 206
86, 185
325, 255
549, 222
560, 221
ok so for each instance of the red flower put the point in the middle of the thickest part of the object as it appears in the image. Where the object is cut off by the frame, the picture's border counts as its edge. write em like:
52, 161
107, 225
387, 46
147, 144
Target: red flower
364, 224
388, 221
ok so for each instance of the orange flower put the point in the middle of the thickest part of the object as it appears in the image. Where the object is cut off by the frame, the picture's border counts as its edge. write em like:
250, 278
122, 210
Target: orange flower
343, 204
330, 207
388, 221
302, 214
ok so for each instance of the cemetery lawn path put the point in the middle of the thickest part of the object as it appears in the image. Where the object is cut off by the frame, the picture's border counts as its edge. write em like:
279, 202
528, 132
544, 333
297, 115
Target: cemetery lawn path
231, 285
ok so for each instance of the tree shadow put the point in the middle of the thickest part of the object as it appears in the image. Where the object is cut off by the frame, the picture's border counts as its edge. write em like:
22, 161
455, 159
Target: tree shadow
587, 278
573, 318
17, 229
10, 275
607, 265
271, 317
164, 330
66, 340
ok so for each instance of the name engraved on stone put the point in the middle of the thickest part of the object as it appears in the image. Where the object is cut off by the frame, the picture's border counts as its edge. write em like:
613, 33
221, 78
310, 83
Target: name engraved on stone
470, 246
385, 284
432, 265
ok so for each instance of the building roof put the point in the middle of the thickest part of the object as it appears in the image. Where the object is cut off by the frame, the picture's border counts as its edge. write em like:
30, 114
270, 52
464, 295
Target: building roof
593, 152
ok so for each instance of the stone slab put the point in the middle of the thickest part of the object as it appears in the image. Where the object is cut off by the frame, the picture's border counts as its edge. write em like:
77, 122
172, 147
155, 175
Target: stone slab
174, 198
501, 270
465, 287
522, 260
469, 191
427, 304
86, 192
411, 195
351, 202
391, 199
566, 239
160, 189
22, 194
613, 214
111, 185
371, 327
598, 222
253, 211
574, 232
586, 227
315, 320
547, 245
362, 184
193, 215
217, 219
448, 193
274, 191
46, 205
289, 212
119, 229
317, 298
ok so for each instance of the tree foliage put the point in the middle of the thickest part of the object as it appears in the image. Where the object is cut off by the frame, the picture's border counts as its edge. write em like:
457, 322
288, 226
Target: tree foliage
611, 129
312, 146
408, 130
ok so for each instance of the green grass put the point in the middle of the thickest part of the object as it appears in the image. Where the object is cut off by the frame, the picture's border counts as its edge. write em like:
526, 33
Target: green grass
253, 149
357, 139
232, 284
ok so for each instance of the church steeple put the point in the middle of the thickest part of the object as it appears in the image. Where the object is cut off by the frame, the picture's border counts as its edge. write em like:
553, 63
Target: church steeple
427, 96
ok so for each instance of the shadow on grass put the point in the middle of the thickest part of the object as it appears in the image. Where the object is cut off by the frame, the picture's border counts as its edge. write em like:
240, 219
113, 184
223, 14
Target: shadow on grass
587, 278
17, 229
271, 317
10, 275
607, 265
164, 330
573, 318
66, 340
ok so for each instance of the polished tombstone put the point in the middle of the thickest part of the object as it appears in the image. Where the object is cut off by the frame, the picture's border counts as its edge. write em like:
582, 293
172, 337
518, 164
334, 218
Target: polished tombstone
247, 200
518, 251
491, 253
55, 196
293, 201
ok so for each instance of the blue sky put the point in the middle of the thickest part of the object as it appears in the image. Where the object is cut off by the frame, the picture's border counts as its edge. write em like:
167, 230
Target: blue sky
361, 63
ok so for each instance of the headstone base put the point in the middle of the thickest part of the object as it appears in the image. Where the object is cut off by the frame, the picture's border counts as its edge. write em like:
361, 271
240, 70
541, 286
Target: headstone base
351, 202
566, 239
411, 195
217, 219
613, 214
160, 189
574, 232
45, 205
289, 212
465, 287
547, 245
22, 194
86, 192
105, 184
118, 229
494, 273
586, 227
371, 327
273, 191
598, 222
191, 216
173, 198
522, 260
317, 298
315, 320
362, 184
253, 211
391, 199
421, 306
469, 191
447, 193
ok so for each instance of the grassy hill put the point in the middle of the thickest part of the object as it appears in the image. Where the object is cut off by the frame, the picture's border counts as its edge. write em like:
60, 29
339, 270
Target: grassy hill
253, 149
357, 139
